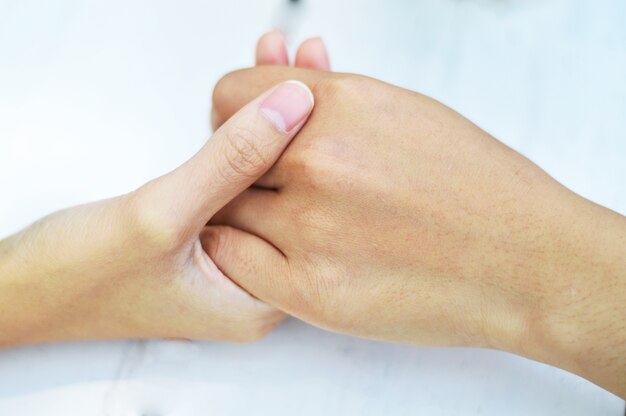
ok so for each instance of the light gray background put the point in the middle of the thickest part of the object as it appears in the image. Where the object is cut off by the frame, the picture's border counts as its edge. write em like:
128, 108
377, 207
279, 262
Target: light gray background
98, 97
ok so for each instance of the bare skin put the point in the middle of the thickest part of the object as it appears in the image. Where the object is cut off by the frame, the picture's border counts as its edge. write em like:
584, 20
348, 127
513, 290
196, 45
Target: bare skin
390, 217
393, 217
133, 266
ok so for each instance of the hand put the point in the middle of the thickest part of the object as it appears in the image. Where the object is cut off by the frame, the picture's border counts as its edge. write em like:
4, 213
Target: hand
133, 266
392, 217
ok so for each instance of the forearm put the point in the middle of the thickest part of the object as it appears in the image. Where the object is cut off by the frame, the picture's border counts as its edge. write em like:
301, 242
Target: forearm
21, 304
48, 289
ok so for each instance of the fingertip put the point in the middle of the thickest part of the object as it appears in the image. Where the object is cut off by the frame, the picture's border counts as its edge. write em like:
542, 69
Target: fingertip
271, 49
313, 54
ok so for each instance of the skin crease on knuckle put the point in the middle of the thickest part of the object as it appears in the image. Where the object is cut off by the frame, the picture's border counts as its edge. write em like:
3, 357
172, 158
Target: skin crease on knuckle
244, 157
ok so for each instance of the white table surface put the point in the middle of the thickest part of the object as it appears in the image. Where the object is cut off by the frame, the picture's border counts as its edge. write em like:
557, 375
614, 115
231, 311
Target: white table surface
98, 97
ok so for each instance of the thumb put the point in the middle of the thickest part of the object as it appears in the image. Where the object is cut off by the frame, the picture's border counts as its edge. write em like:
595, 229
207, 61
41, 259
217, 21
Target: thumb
239, 152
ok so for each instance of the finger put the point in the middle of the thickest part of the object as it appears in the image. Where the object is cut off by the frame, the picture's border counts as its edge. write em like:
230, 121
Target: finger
312, 54
239, 152
271, 49
256, 211
257, 264
246, 146
237, 88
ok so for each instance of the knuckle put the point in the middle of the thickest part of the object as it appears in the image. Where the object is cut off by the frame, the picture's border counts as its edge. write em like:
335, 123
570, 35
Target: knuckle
222, 94
219, 91
244, 156
329, 86
299, 163
317, 166
339, 85
311, 160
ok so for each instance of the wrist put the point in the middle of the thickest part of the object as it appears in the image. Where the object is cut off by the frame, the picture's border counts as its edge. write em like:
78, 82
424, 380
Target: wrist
580, 324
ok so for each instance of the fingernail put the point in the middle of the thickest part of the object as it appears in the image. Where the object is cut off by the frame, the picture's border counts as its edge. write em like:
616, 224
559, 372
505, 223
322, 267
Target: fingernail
289, 104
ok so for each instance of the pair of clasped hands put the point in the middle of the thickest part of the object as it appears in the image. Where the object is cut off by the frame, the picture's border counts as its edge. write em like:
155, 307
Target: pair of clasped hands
352, 204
